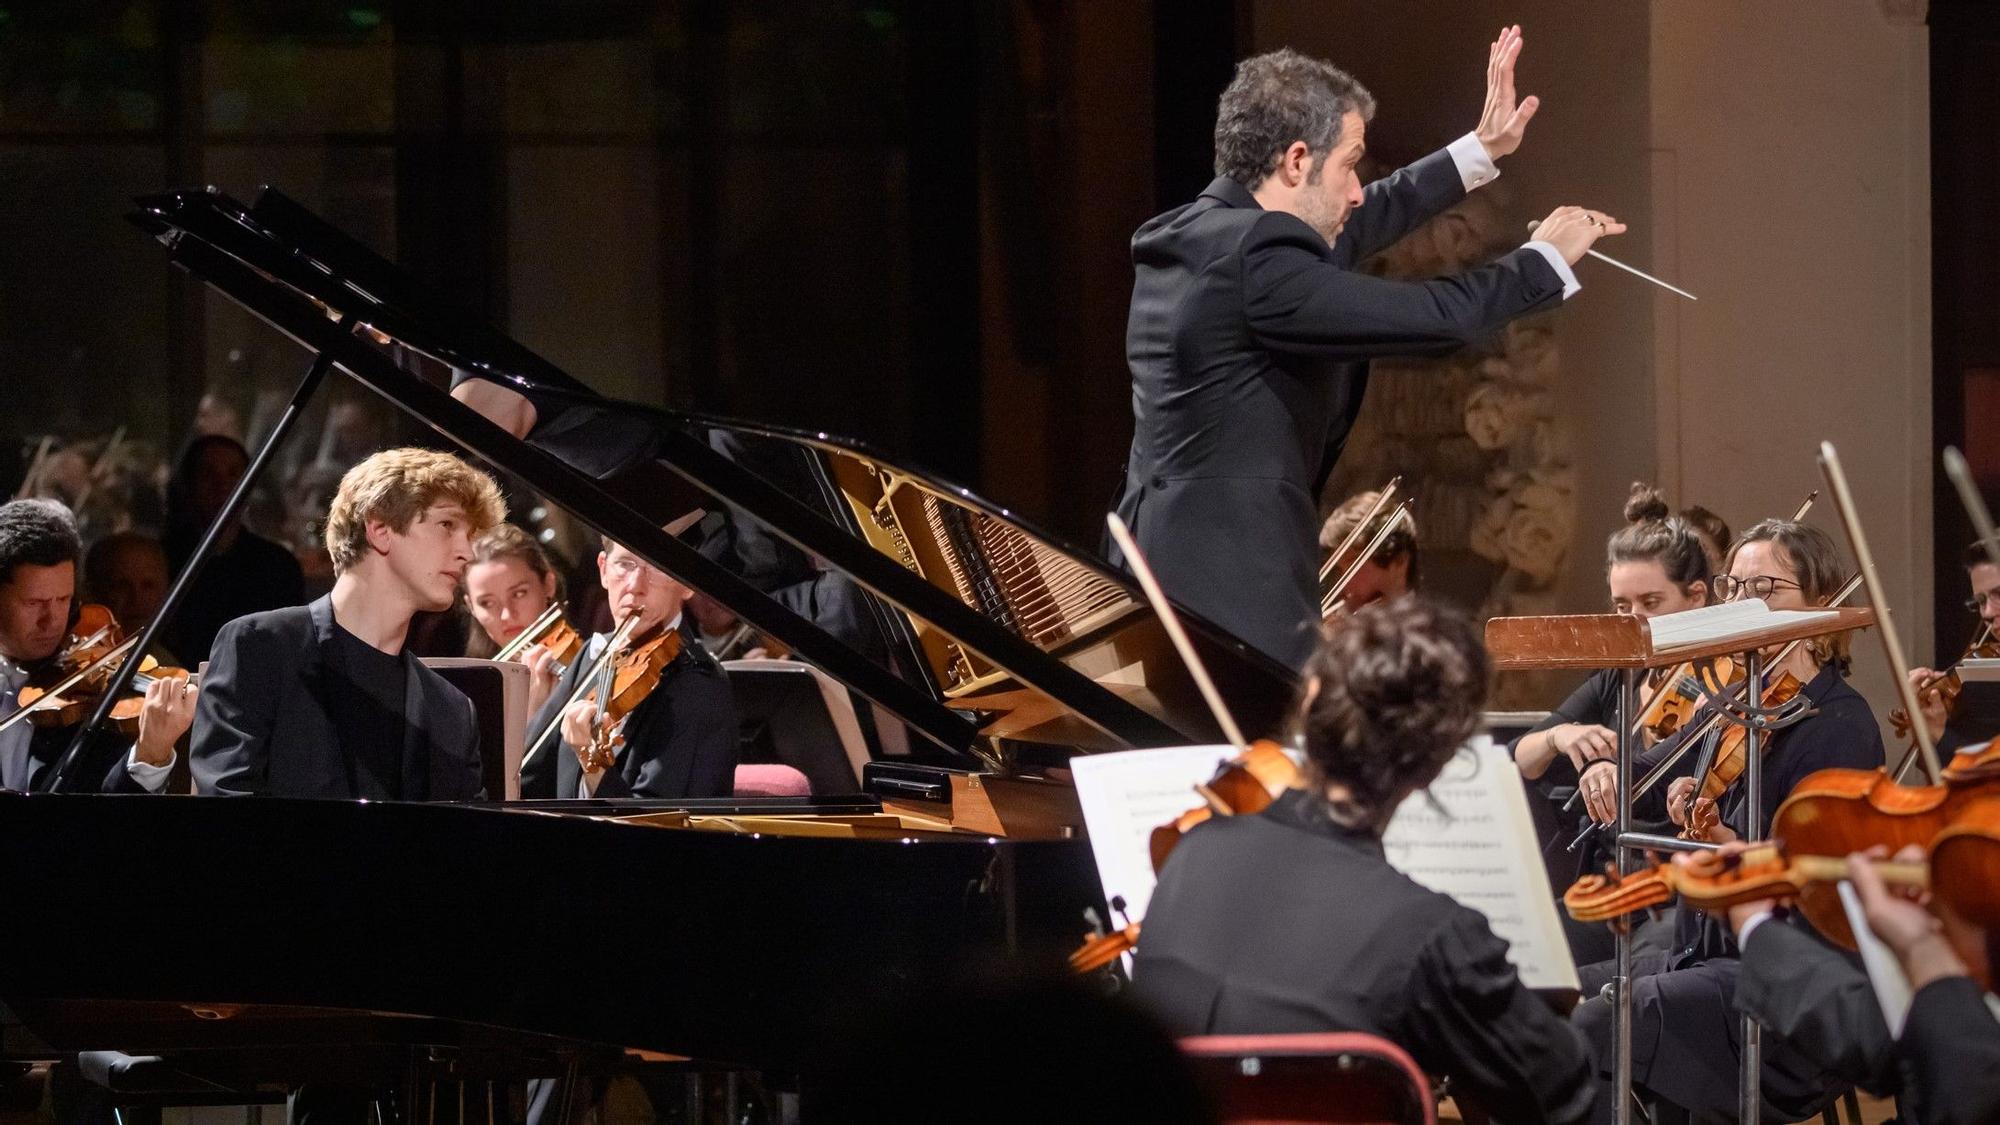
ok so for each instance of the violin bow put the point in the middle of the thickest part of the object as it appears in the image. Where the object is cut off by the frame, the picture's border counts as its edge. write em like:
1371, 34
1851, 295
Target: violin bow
1892, 645
1975, 504
1331, 601
1360, 525
1165, 609
71, 680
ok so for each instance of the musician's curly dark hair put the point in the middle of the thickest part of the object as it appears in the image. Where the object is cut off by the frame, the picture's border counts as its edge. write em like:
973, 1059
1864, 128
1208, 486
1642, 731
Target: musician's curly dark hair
1277, 98
38, 533
1390, 696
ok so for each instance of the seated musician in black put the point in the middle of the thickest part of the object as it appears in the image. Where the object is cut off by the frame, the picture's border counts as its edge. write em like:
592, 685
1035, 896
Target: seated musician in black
1976, 718
324, 700
1684, 1049
1654, 565
1292, 920
39, 548
680, 742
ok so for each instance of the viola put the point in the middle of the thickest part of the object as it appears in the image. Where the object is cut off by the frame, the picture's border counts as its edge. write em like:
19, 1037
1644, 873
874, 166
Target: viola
623, 683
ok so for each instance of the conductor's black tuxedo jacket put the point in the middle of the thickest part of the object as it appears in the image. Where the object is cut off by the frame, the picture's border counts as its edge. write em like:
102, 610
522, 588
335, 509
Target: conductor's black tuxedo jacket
1244, 342
265, 724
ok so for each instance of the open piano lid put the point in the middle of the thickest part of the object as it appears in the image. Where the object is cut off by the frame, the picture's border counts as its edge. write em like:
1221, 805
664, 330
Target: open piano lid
1010, 641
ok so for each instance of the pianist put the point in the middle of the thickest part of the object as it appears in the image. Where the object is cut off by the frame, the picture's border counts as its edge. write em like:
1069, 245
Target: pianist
679, 742
1292, 920
324, 700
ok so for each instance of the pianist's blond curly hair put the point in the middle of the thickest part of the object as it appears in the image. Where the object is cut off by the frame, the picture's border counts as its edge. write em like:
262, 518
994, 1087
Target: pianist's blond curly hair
396, 486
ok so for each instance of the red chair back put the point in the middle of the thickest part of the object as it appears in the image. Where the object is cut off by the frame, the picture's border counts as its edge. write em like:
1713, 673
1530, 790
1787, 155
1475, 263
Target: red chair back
1337, 1078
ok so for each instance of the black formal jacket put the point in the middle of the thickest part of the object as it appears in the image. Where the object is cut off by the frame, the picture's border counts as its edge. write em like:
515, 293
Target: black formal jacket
1950, 1055
99, 765
264, 725
1817, 999
680, 742
1285, 922
1243, 338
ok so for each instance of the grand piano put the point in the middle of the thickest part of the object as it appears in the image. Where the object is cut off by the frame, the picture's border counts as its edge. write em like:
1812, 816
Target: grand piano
240, 937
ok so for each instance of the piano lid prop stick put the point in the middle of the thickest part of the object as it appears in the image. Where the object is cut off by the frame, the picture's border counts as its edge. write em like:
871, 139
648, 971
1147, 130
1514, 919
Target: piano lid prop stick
1892, 646
1635, 272
1360, 525
1975, 504
1172, 621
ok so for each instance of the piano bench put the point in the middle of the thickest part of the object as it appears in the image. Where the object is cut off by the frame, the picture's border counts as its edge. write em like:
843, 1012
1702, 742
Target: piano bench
151, 1080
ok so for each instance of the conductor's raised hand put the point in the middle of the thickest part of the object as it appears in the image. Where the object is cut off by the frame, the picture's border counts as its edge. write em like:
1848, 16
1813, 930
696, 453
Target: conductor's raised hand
1572, 230
1504, 120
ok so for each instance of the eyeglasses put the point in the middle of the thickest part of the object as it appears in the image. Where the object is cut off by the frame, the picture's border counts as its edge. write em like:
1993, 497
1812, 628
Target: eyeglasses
1728, 587
1977, 602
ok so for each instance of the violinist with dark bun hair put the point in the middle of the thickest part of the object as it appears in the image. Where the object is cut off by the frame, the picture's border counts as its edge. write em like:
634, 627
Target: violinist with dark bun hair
1293, 921
1684, 1047
1654, 565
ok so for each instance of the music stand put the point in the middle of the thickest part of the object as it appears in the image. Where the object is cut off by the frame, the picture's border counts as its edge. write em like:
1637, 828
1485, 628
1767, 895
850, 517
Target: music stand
499, 693
1623, 642
794, 714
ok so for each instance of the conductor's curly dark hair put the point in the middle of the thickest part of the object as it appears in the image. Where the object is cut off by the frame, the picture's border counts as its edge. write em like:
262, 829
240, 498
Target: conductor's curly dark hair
1390, 696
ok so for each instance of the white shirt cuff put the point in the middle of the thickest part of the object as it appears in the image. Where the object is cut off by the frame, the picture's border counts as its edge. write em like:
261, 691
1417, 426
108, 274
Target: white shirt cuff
1750, 926
150, 777
1475, 168
1547, 250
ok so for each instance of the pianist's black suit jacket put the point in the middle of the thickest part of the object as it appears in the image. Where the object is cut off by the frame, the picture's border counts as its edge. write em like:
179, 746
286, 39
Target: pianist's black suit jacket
1285, 922
680, 742
1244, 338
263, 724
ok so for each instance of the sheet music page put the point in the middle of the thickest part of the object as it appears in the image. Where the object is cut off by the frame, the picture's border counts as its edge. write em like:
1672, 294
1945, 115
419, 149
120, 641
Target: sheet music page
1482, 851
1722, 621
1125, 795
1885, 975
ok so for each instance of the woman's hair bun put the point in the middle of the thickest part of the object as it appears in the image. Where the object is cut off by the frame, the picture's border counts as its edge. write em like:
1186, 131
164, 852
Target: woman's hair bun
1645, 504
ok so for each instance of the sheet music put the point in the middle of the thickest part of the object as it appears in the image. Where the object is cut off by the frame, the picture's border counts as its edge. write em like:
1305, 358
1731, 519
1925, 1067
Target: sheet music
1128, 794
1481, 850
1485, 855
1723, 621
1885, 975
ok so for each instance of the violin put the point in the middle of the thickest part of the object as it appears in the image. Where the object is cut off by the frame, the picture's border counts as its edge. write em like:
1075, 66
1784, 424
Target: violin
623, 683
1678, 698
1946, 685
68, 689
1722, 766
552, 631
1709, 881
1242, 786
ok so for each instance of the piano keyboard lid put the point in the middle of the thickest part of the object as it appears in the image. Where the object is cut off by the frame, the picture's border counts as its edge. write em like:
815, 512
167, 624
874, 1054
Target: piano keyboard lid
1011, 634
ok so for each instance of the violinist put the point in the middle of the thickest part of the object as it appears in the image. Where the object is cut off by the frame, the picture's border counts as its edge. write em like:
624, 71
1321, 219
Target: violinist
1392, 571
325, 700
1976, 714
1654, 565
1712, 530
38, 556
680, 741
509, 585
1817, 997
1291, 920
1684, 1048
